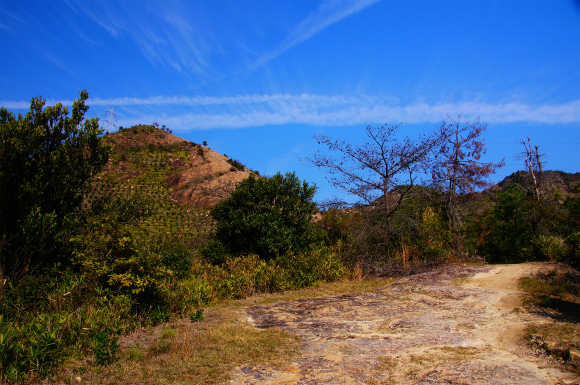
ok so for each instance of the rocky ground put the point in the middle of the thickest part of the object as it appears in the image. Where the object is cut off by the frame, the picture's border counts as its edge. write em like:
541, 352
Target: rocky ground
455, 325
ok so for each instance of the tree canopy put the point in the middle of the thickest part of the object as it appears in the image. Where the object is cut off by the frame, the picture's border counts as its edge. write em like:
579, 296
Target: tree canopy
265, 216
45, 158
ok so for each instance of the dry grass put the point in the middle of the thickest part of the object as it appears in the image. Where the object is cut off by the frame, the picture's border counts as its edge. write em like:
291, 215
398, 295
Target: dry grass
555, 294
205, 352
184, 353
321, 290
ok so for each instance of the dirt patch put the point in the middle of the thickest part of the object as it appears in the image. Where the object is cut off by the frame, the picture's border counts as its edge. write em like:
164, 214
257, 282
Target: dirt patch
455, 325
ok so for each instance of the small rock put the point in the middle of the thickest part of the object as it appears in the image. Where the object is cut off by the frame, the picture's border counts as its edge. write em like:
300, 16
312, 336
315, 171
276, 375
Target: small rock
574, 357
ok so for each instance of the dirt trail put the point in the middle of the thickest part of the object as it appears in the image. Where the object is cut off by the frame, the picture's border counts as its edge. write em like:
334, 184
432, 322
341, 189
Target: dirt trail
455, 325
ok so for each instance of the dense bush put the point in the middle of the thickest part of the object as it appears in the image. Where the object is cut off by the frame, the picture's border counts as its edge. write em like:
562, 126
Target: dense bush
507, 235
45, 158
243, 276
105, 248
264, 216
47, 317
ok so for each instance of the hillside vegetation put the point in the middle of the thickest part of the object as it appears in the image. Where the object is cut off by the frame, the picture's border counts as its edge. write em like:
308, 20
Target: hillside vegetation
104, 234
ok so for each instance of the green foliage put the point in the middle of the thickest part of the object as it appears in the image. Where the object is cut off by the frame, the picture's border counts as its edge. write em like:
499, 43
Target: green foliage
33, 347
196, 316
105, 347
49, 317
519, 228
215, 252
157, 316
265, 216
106, 249
175, 256
506, 234
549, 248
572, 242
243, 276
337, 226
236, 164
45, 158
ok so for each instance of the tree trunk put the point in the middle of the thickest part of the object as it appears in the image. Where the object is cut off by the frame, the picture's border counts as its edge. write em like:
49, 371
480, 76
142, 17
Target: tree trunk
387, 204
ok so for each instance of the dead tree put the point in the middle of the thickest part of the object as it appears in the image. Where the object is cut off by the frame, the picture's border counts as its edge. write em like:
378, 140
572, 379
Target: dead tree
538, 185
533, 162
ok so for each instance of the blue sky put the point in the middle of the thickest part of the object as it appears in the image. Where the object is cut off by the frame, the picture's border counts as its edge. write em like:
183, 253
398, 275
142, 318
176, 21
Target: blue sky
258, 79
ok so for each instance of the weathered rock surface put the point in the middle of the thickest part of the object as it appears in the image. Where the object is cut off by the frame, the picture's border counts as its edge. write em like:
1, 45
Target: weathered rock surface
456, 325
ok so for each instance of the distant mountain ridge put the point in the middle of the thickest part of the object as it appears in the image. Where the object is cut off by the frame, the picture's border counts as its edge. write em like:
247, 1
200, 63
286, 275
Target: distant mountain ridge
567, 183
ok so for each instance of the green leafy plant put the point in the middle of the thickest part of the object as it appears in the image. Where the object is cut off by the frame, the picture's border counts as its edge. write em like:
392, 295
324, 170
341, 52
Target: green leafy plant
236, 164
105, 347
196, 316
265, 216
46, 156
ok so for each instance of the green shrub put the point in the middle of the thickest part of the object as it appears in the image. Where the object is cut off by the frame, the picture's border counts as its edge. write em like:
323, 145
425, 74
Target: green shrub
105, 347
175, 256
236, 164
31, 349
305, 269
548, 248
243, 276
105, 248
572, 242
337, 226
265, 216
506, 234
215, 252
46, 157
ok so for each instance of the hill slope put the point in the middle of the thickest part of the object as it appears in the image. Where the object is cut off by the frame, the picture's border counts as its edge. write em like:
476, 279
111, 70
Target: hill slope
195, 174
179, 179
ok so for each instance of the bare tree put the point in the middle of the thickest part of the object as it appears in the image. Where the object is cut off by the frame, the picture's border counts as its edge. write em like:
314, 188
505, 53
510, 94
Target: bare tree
533, 162
538, 185
459, 169
371, 171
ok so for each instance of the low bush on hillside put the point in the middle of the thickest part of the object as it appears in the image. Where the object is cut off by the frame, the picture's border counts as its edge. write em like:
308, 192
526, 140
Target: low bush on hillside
64, 314
236, 164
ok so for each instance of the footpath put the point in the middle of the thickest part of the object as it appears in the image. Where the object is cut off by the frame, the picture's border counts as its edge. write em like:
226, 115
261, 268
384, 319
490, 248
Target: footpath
455, 325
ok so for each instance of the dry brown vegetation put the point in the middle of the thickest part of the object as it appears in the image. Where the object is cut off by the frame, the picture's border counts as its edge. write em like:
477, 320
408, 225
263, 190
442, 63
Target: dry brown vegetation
208, 351
555, 294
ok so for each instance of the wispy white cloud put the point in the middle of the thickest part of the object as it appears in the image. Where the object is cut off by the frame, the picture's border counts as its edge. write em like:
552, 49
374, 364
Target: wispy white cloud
328, 13
163, 31
199, 112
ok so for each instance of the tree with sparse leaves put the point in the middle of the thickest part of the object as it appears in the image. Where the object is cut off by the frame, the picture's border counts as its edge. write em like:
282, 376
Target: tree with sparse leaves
459, 168
372, 170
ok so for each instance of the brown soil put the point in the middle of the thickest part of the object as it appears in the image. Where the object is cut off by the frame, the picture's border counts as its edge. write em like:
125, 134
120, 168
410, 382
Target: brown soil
206, 180
455, 325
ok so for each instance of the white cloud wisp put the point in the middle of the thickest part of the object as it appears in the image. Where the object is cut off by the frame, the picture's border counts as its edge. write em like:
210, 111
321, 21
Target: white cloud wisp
198, 112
